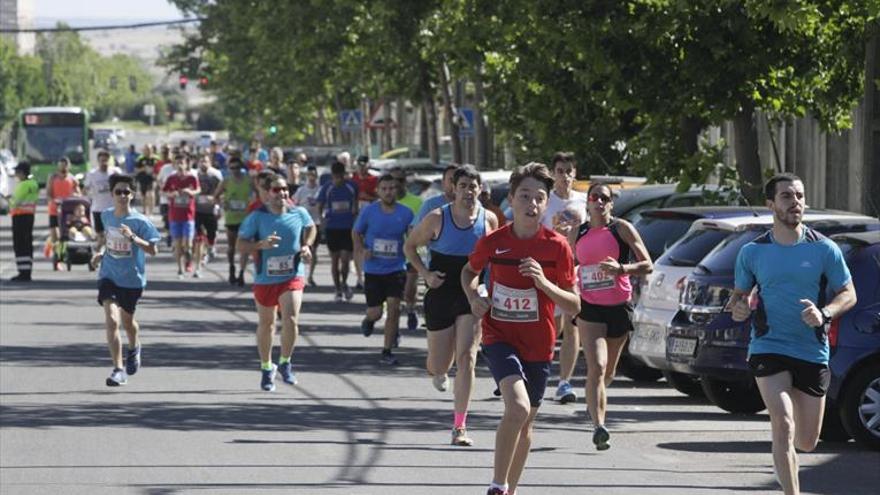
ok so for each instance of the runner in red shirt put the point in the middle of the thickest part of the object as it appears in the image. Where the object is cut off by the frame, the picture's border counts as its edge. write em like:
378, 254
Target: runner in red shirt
531, 270
366, 185
182, 189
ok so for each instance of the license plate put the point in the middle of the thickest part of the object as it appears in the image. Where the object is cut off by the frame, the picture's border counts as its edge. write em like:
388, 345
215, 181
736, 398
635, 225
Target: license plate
648, 338
682, 347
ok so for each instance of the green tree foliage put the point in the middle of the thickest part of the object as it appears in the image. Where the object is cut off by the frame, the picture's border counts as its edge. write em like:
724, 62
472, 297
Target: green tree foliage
21, 82
628, 85
66, 71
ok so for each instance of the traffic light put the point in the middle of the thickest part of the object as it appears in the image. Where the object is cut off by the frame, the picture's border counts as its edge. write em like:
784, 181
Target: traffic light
183, 81
132, 83
203, 82
273, 129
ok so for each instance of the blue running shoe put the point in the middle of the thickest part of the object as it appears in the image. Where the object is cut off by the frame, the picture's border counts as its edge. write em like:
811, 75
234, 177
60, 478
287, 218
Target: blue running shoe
565, 393
133, 360
367, 327
268, 381
287, 374
412, 321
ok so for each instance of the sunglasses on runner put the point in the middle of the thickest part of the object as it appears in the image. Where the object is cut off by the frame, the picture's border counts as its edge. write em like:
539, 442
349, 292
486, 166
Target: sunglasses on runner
278, 189
597, 197
122, 192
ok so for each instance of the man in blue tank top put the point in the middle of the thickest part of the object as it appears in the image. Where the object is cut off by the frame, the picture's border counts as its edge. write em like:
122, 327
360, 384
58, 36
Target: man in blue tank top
790, 268
450, 232
378, 236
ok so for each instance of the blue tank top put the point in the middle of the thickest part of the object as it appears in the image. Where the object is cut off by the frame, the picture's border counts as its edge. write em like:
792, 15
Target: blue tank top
450, 251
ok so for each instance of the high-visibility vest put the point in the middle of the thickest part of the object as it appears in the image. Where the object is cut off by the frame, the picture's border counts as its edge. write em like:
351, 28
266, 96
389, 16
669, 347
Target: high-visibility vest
24, 198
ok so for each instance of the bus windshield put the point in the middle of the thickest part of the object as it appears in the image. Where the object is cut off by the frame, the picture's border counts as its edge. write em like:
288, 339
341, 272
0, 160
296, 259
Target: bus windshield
46, 144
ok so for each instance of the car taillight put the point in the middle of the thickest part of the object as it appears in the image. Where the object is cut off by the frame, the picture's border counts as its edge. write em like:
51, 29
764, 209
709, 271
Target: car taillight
833, 330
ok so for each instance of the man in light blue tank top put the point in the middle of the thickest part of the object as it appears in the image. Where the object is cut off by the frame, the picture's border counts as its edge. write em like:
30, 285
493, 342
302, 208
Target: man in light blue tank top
790, 268
451, 232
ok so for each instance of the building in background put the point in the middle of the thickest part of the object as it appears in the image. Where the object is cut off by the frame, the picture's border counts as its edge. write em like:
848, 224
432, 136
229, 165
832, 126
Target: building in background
18, 14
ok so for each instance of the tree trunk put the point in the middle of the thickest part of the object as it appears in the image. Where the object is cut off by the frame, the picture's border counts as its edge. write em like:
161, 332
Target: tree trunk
401, 131
689, 134
748, 163
386, 128
481, 134
433, 137
451, 114
871, 136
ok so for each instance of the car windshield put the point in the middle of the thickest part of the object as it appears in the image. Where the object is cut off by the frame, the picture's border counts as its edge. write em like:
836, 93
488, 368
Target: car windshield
693, 247
658, 233
721, 260
46, 144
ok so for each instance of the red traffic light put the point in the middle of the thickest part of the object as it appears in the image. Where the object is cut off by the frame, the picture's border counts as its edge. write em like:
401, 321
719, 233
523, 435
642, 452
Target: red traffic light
203, 82
183, 81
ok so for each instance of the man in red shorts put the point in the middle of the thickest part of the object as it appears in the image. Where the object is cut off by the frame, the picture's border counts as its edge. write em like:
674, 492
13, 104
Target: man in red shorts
282, 234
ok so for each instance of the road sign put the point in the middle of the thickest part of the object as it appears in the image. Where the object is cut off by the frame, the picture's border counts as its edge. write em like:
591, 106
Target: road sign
149, 110
377, 118
465, 121
351, 120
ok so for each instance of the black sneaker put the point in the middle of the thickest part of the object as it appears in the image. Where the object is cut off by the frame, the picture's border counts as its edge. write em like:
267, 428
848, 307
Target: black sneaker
601, 438
367, 326
133, 360
232, 278
388, 359
241, 278
21, 277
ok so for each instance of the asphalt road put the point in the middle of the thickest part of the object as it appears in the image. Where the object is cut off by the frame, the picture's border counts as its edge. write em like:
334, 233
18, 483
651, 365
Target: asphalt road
194, 420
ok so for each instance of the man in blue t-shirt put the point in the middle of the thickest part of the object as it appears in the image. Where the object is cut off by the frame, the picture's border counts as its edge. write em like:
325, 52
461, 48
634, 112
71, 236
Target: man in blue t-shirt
790, 268
337, 204
378, 236
283, 234
122, 278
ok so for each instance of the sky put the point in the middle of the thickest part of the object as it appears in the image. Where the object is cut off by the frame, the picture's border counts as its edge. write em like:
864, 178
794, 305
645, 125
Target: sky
83, 12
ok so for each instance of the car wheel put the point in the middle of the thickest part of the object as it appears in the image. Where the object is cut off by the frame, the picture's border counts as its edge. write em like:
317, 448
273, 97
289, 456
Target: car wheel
861, 407
687, 384
832, 426
736, 397
637, 371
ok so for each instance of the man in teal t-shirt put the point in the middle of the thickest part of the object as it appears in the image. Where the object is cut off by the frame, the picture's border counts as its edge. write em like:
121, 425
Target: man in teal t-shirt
128, 237
791, 267
283, 234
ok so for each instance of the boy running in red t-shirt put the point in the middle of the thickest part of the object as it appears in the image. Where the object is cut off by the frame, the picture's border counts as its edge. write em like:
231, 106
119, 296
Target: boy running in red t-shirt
531, 271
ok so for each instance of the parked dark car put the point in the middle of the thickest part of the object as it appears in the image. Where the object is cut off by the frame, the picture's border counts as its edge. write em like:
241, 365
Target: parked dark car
853, 400
702, 340
660, 229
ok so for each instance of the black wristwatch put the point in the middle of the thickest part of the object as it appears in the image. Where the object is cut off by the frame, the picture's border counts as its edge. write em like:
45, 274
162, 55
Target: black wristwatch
826, 316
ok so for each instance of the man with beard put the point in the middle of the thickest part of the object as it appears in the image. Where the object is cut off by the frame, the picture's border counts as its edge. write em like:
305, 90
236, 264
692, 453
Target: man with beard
791, 266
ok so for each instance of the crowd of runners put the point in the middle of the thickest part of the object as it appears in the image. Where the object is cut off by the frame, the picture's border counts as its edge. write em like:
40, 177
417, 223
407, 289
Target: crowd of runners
509, 288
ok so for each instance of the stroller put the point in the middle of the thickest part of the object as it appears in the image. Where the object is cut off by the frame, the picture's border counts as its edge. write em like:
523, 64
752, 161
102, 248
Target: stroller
73, 250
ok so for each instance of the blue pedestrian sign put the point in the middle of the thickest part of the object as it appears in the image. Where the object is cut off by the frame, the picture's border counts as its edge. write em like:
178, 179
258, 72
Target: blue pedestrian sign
466, 121
351, 120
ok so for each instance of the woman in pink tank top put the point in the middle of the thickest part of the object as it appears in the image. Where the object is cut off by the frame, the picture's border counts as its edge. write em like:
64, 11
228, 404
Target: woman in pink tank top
602, 247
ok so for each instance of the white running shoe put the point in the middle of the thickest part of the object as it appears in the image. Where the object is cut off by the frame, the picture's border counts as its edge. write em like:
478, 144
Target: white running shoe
441, 382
